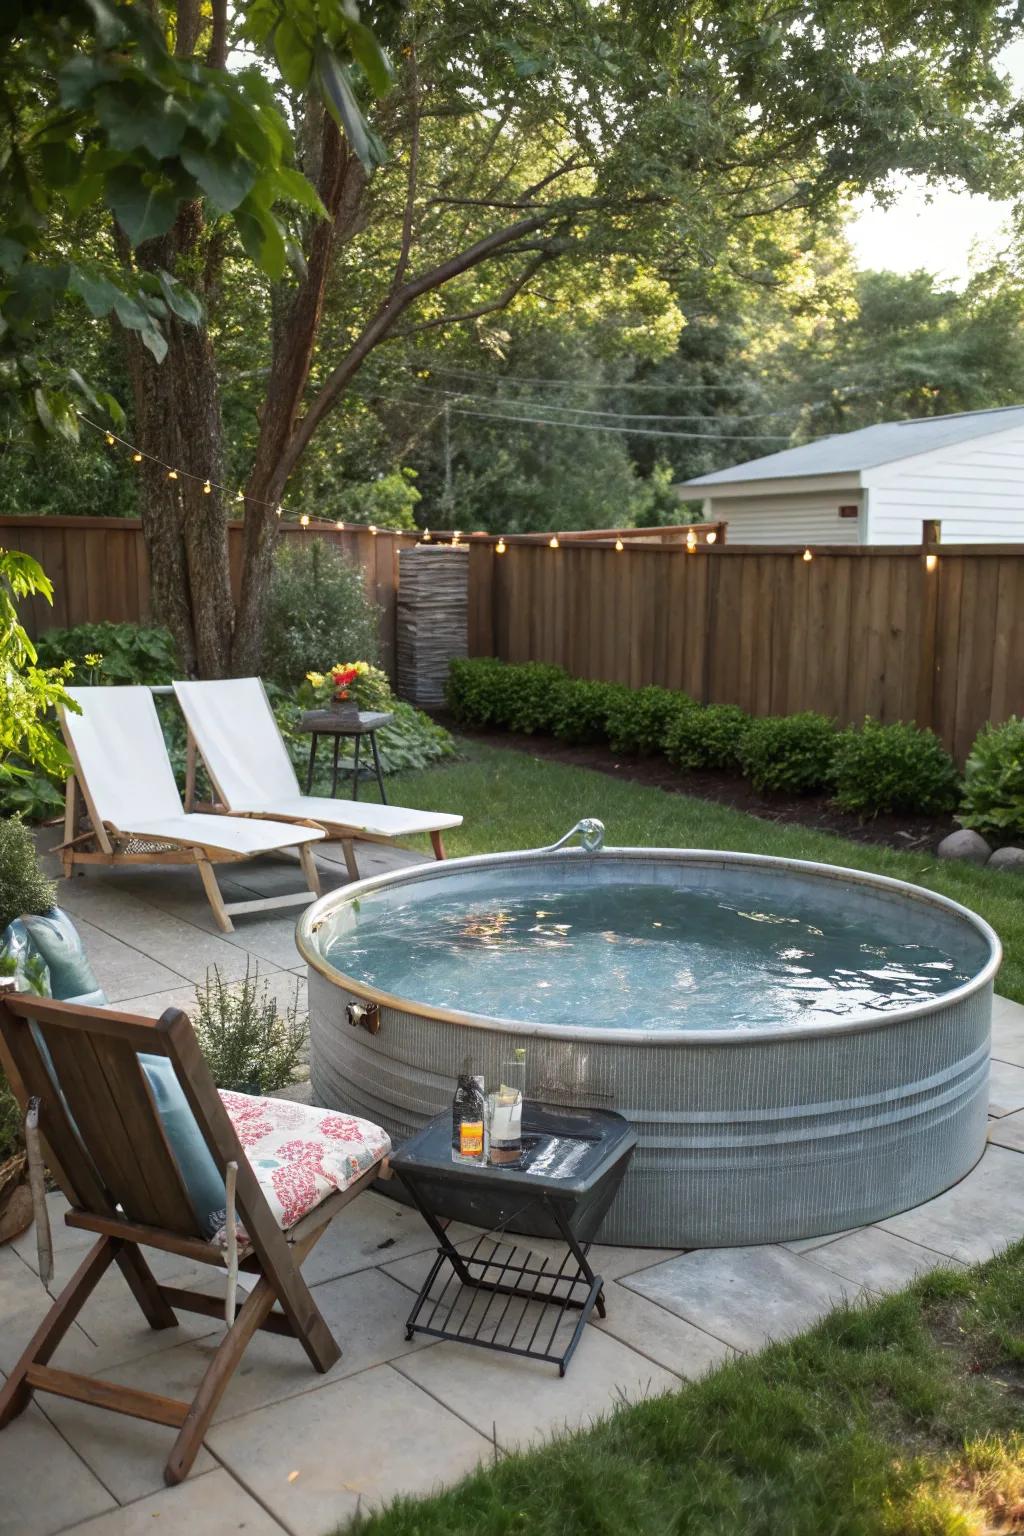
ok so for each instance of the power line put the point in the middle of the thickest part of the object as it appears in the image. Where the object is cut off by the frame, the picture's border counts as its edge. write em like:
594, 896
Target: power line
584, 426
579, 410
520, 378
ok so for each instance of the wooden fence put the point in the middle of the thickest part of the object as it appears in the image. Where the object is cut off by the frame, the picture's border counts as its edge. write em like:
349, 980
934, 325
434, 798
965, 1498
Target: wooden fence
99, 568
894, 632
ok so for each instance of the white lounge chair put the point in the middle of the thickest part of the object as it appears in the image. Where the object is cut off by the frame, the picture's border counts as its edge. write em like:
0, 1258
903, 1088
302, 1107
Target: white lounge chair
134, 811
233, 725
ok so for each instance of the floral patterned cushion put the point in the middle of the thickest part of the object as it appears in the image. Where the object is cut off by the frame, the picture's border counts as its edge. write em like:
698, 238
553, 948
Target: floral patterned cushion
301, 1154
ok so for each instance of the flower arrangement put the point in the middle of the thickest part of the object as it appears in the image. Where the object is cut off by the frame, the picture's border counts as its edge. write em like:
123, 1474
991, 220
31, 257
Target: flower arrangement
351, 682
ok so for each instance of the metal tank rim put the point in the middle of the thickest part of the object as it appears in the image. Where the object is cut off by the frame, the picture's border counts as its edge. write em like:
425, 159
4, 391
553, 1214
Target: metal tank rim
315, 915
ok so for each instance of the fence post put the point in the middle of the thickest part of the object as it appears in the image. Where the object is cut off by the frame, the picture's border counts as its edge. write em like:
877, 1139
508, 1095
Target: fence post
927, 666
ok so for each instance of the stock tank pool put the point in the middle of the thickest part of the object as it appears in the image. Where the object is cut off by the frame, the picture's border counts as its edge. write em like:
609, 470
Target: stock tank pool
801, 1048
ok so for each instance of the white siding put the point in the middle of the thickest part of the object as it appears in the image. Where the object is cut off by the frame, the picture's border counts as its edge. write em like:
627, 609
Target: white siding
795, 518
976, 490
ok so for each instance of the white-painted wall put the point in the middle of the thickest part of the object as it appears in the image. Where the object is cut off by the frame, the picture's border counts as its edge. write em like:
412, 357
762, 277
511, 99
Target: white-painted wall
976, 491
809, 517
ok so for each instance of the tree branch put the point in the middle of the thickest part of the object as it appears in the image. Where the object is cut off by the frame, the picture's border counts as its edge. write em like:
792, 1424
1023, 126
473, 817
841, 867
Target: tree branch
502, 302
410, 194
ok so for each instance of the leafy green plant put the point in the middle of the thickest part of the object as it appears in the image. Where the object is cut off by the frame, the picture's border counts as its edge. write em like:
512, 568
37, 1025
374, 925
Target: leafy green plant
706, 736
367, 687
10, 1121
580, 709
29, 794
28, 691
23, 886
896, 767
788, 754
993, 794
638, 719
317, 609
249, 1047
473, 690
527, 699
113, 654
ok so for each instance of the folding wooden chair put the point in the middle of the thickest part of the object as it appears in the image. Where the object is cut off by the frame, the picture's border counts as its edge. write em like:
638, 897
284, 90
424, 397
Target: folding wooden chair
107, 1145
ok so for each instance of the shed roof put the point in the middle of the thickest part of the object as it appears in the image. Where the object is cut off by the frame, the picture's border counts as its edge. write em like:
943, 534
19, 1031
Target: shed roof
846, 452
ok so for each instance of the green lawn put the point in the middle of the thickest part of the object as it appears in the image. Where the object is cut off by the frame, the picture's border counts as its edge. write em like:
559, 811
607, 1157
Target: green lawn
511, 800
902, 1418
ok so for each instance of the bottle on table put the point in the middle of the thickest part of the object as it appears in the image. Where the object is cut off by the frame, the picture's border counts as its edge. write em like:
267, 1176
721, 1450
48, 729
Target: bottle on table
469, 1140
506, 1118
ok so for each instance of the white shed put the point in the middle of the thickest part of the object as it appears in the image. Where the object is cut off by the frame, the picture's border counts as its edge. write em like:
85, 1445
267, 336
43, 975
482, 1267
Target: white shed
878, 485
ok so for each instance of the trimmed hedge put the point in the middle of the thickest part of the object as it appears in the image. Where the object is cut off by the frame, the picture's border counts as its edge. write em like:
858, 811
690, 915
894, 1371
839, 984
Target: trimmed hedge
993, 800
893, 768
581, 708
639, 719
706, 736
789, 754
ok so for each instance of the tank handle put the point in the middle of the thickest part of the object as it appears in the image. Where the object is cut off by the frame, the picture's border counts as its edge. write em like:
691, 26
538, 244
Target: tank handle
590, 832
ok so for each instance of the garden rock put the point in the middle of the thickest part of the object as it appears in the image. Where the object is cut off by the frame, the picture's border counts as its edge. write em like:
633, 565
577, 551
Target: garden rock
1008, 858
965, 845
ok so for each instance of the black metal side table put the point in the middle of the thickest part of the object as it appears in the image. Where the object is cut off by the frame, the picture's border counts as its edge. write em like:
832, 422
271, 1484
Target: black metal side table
325, 722
499, 1295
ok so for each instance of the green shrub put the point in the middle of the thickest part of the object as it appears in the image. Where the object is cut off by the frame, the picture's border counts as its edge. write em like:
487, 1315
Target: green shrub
317, 612
10, 1121
788, 754
528, 696
639, 718
893, 768
993, 794
248, 1046
581, 707
473, 690
706, 736
130, 653
23, 886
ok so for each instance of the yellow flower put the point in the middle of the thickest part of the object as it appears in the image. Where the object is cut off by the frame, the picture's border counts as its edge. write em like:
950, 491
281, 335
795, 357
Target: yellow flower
94, 658
316, 678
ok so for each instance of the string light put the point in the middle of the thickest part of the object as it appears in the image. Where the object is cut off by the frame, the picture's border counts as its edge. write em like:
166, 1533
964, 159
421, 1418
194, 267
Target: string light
304, 520
111, 439
500, 547
136, 457
172, 474
691, 541
619, 546
339, 525
807, 557
931, 562
553, 543
426, 536
240, 496
711, 536
207, 488
373, 529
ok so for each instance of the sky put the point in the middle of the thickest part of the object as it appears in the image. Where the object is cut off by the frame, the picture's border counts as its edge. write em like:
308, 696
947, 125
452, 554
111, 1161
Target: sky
933, 228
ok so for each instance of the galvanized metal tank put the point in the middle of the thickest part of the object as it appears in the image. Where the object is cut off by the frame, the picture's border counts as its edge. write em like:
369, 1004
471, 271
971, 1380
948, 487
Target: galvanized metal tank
745, 1136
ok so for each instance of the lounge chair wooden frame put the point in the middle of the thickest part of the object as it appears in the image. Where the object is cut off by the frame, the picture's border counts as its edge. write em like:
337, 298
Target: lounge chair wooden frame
90, 840
122, 1182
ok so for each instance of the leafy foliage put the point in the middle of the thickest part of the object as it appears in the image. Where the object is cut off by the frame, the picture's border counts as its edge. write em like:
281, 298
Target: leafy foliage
581, 708
28, 692
474, 691
23, 886
639, 719
127, 653
788, 754
706, 736
365, 686
249, 1047
896, 767
318, 609
993, 793
10, 1121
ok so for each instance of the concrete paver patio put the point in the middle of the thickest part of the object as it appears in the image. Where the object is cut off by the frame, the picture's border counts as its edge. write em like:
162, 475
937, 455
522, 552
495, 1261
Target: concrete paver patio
295, 1452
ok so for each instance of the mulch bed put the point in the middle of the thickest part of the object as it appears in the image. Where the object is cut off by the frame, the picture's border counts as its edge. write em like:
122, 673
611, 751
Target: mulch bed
906, 833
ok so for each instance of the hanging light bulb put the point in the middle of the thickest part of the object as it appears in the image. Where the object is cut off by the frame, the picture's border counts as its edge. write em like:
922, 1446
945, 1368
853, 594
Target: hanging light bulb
710, 536
807, 557
691, 541
111, 439
619, 546
340, 526
172, 474
426, 535
373, 529
136, 457
931, 562
455, 536
207, 488
553, 543
500, 547
304, 520
240, 496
